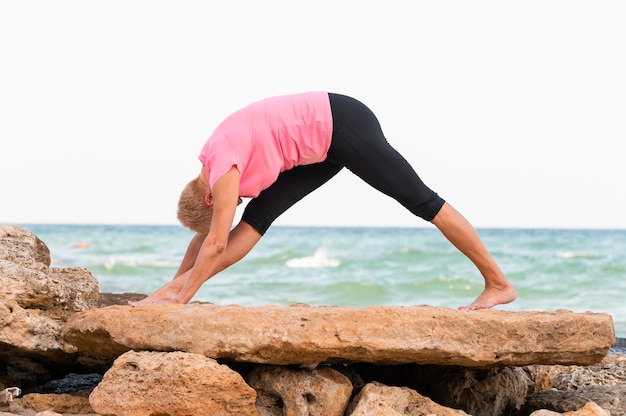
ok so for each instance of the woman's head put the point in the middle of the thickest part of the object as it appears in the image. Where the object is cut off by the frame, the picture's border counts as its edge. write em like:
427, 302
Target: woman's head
193, 212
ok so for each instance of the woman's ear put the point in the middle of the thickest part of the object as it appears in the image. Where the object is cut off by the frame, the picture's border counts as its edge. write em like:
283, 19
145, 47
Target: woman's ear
208, 198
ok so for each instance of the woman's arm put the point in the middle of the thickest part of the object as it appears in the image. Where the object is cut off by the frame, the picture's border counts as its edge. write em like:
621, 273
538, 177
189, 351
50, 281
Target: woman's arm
191, 254
209, 254
224, 197
241, 240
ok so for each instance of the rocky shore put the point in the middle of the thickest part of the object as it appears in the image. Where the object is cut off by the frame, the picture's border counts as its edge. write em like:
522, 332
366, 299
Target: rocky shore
67, 349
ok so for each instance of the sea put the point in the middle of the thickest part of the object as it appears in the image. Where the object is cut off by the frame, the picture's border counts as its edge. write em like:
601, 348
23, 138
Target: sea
578, 270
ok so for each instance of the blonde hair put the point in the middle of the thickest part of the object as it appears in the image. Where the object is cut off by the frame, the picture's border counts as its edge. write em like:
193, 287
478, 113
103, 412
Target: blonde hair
193, 212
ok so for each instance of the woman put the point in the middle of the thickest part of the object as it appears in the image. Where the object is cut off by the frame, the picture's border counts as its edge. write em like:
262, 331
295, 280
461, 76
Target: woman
277, 151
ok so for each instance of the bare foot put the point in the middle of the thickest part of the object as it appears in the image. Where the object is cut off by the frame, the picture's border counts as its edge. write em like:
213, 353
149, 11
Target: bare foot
155, 300
492, 296
166, 294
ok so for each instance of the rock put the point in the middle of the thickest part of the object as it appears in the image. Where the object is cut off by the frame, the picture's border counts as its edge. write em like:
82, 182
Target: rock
378, 334
464, 360
590, 409
479, 392
59, 292
544, 376
612, 398
35, 300
611, 371
36, 306
544, 412
72, 289
20, 246
76, 384
171, 384
29, 332
61, 403
376, 399
109, 299
284, 391
566, 388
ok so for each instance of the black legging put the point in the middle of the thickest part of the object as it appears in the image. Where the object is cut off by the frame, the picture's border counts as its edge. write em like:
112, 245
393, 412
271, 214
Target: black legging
357, 143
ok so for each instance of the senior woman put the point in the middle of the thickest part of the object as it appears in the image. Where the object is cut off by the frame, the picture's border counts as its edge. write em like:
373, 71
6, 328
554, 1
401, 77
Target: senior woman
278, 150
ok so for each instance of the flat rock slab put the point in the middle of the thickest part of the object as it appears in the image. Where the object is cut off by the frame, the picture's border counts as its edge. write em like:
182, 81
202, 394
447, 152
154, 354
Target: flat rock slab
307, 335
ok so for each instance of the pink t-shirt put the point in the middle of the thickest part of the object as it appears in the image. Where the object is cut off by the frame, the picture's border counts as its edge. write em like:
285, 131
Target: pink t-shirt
269, 137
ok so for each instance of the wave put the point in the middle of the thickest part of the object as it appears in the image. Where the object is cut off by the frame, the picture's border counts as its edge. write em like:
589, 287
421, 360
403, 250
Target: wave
573, 255
136, 263
319, 259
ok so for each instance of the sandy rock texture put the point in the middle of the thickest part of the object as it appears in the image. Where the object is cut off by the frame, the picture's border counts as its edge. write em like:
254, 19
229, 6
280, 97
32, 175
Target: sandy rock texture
379, 334
35, 300
282, 390
589, 409
173, 384
61, 403
376, 399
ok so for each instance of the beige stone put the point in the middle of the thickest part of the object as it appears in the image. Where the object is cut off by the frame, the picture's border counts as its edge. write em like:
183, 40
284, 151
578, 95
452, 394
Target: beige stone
378, 334
171, 384
34, 305
26, 278
20, 246
283, 391
59, 292
61, 403
376, 399
35, 299
590, 409
72, 289
29, 332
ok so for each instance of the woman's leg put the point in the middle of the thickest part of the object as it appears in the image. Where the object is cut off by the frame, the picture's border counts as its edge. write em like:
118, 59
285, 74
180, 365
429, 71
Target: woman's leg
498, 290
359, 144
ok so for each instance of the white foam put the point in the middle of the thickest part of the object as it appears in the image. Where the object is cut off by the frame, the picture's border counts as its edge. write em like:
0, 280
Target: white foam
572, 255
319, 259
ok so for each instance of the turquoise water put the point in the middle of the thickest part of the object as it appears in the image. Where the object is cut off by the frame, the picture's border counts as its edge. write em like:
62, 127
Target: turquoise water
578, 270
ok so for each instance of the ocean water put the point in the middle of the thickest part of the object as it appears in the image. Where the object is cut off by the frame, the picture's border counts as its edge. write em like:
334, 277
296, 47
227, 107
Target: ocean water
579, 270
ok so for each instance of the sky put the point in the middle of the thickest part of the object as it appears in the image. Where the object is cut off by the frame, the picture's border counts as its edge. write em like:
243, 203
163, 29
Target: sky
514, 112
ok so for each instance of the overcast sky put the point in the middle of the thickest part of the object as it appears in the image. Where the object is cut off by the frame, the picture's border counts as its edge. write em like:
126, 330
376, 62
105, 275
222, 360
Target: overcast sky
514, 112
